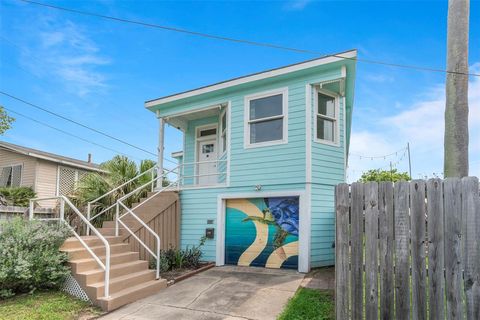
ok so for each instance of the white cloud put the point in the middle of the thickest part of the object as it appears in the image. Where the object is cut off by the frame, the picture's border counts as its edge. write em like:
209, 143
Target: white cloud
64, 51
421, 124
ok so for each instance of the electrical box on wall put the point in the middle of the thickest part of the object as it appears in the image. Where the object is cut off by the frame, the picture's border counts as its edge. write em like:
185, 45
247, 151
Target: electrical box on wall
210, 233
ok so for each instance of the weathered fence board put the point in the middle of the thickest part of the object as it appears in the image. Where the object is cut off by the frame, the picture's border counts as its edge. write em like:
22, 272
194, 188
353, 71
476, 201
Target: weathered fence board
417, 222
357, 250
385, 249
436, 282
471, 235
402, 266
371, 263
391, 231
453, 271
342, 248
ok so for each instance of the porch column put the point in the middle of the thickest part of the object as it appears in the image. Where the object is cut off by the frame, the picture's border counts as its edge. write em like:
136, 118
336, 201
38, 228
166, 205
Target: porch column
161, 139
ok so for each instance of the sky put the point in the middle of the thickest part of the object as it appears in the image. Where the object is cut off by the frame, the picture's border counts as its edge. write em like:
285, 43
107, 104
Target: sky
100, 72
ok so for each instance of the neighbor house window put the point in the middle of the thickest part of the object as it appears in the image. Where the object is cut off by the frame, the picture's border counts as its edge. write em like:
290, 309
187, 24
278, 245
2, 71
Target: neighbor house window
223, 131
326, 118
11, 176
266, 118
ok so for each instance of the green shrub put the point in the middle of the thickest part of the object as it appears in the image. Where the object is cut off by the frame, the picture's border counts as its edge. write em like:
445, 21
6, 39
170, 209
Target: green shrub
172, 259
30, 256
17, 196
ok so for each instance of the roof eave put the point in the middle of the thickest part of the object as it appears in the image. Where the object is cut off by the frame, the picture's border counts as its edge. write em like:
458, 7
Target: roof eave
351, 54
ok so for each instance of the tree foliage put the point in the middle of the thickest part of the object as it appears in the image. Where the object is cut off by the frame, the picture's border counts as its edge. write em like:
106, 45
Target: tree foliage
384, 175
5, 121
120, 170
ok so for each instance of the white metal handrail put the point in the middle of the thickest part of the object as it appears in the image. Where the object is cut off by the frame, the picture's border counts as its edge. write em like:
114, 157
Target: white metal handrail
128, 210
157, 255
195, 176
152, 171
105, 266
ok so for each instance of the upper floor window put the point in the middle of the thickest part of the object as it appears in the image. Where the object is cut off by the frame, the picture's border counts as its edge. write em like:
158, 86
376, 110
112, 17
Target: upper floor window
326, 118
223, 131
266, 118
11, 176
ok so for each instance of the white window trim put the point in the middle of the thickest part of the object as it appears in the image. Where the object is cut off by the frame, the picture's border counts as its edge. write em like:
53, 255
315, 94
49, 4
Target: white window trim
336, 120
15, 165
246, 131
222, 129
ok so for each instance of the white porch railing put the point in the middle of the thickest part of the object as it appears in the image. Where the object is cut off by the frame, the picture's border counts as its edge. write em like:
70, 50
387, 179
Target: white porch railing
192, 176
64, 200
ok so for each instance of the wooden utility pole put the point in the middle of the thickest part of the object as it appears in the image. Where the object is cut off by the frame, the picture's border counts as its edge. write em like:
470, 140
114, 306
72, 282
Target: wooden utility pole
456, 109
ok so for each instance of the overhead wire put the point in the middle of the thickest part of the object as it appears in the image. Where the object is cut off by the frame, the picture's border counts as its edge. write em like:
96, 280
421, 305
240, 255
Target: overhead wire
68, 133
79, 124
244, 41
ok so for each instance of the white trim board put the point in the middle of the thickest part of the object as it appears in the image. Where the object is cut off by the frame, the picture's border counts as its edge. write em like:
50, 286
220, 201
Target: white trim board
246, 125
254, 77
304, 223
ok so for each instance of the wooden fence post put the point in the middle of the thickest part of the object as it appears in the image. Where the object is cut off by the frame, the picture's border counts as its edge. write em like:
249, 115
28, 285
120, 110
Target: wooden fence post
341, 251
471, 246
453, 271
436, 261
402, 252
385, 249
357, 250
371, 249
417, 223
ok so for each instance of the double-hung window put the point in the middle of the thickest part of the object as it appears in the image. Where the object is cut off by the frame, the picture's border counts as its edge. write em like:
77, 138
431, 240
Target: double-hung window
266, 118
326, 118
223, 132
11, 176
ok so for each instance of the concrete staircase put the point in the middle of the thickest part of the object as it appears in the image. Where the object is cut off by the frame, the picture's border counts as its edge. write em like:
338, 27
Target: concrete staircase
130, 278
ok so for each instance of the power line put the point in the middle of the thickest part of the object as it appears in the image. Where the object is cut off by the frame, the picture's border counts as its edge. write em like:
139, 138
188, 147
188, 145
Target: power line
67, 133
244, 41
76, 122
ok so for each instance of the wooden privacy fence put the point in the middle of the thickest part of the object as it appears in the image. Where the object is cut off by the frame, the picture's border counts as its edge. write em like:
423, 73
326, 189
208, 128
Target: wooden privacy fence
408, 250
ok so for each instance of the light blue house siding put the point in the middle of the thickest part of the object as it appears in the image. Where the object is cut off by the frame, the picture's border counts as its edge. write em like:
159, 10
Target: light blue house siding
276, 168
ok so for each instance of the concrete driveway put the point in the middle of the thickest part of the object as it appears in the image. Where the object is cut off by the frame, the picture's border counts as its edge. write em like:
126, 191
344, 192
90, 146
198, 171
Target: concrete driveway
219, 293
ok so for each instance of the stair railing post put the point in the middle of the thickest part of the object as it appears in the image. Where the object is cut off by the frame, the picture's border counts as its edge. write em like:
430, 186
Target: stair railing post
158, 258
89, 207
30, 209
153, 179
117, 215
107, 271
62, 209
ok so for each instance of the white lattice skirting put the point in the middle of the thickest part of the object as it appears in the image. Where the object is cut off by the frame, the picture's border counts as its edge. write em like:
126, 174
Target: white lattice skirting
72, 287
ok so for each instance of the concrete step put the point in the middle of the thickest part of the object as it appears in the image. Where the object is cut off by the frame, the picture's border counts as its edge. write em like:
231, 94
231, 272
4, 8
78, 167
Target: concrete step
82, 253
98, 275
111, 231
121, 283
91, 241
90, 263
131, 294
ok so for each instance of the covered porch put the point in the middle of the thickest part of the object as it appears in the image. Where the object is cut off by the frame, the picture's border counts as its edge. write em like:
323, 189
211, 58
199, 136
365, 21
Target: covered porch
204, 160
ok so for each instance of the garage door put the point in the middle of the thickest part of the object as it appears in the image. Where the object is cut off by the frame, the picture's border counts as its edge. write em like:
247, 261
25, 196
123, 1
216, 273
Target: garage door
262, 232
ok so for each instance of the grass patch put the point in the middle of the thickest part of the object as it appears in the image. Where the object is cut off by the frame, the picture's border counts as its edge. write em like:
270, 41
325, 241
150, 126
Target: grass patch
47, 305
309, 304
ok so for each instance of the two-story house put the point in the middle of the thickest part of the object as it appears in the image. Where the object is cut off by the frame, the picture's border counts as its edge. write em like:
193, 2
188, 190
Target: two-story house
261, 157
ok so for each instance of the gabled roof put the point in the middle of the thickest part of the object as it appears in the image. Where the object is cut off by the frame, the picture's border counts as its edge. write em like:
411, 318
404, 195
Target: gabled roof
349, 55
50, 157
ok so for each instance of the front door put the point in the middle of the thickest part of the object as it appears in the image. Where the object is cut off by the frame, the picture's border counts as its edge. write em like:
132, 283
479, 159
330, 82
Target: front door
207, 162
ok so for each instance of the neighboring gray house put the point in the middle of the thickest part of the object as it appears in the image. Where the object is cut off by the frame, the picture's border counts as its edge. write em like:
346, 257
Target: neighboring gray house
47, 173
